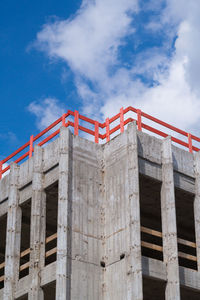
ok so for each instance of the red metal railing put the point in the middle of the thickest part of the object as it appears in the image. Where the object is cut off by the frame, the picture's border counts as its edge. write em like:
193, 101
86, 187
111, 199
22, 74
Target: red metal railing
108, 131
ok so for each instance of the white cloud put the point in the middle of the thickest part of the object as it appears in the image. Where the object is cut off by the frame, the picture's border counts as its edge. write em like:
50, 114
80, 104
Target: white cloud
171, 100
90, 40
90, 43
7, 172
46, 111
177, 97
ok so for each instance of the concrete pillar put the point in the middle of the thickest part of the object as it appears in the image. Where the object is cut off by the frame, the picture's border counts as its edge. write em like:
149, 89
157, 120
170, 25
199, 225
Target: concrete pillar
134, 285
62, 278
13, 235
169, 229
197, 205
37, 239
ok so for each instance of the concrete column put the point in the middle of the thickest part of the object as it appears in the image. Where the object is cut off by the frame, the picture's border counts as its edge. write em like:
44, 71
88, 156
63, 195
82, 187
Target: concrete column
169, 229
197, 205
13, 235
134, 285
62, 278
37, 240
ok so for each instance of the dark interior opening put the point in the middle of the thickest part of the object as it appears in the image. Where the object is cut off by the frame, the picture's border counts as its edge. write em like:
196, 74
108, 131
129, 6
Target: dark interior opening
189, 294
25, 238
3, 226
150, 213
185, 226
50, 291
51, 222
25, 297
153, 289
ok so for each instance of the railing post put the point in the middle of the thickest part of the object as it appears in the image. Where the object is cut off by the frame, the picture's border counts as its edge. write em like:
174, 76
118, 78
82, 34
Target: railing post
1, 167
63, 120
76, 122
31, 146
121, 119
139, 119
190, 142
96, 132
107, 130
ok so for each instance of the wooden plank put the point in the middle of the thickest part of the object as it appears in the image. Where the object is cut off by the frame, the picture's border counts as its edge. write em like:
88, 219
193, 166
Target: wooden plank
152, 246
159, 248
187, 256
24, 266
159, 234
25, 252
2, 278
48, 239
51, 252
187, 243
2, 265
51, 238
151, 231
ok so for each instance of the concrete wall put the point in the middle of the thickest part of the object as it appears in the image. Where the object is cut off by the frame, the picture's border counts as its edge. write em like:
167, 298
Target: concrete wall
100, 234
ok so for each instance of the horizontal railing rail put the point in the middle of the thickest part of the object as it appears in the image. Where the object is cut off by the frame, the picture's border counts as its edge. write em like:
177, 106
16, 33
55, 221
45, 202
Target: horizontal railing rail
65, 120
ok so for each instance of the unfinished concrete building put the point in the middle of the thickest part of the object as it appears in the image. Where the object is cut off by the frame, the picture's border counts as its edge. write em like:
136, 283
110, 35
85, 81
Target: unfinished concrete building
87, 221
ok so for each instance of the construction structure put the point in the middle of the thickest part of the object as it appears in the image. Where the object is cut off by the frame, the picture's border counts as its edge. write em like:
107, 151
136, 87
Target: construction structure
83, 220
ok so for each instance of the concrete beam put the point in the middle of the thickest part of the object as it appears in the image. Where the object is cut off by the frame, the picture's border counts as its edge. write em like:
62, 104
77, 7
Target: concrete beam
38, 222
154, 268
169, 229
13, 235
63, 230
135, 290
197, 205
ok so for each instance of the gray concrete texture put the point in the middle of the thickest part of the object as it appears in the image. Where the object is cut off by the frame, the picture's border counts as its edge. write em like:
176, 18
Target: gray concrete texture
104, 193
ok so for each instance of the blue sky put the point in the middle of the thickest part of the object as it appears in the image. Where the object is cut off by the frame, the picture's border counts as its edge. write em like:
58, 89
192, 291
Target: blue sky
26, 75
96, 56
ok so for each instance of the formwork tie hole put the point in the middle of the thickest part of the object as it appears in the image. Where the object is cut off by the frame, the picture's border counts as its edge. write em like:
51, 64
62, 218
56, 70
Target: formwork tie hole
102, 264
122, 256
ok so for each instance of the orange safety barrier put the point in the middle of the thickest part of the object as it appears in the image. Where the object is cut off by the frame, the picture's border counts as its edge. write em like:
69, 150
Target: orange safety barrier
64, 121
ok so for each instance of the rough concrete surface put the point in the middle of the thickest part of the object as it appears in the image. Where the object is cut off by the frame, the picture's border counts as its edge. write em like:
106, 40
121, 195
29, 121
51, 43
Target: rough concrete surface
104, 194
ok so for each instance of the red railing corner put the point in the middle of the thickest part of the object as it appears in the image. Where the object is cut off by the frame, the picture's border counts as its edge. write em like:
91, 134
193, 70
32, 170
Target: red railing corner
1, 167
121, 119
96, 132
31, 146
76, 122
63, 120
190, 142
139, 119
107, 130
